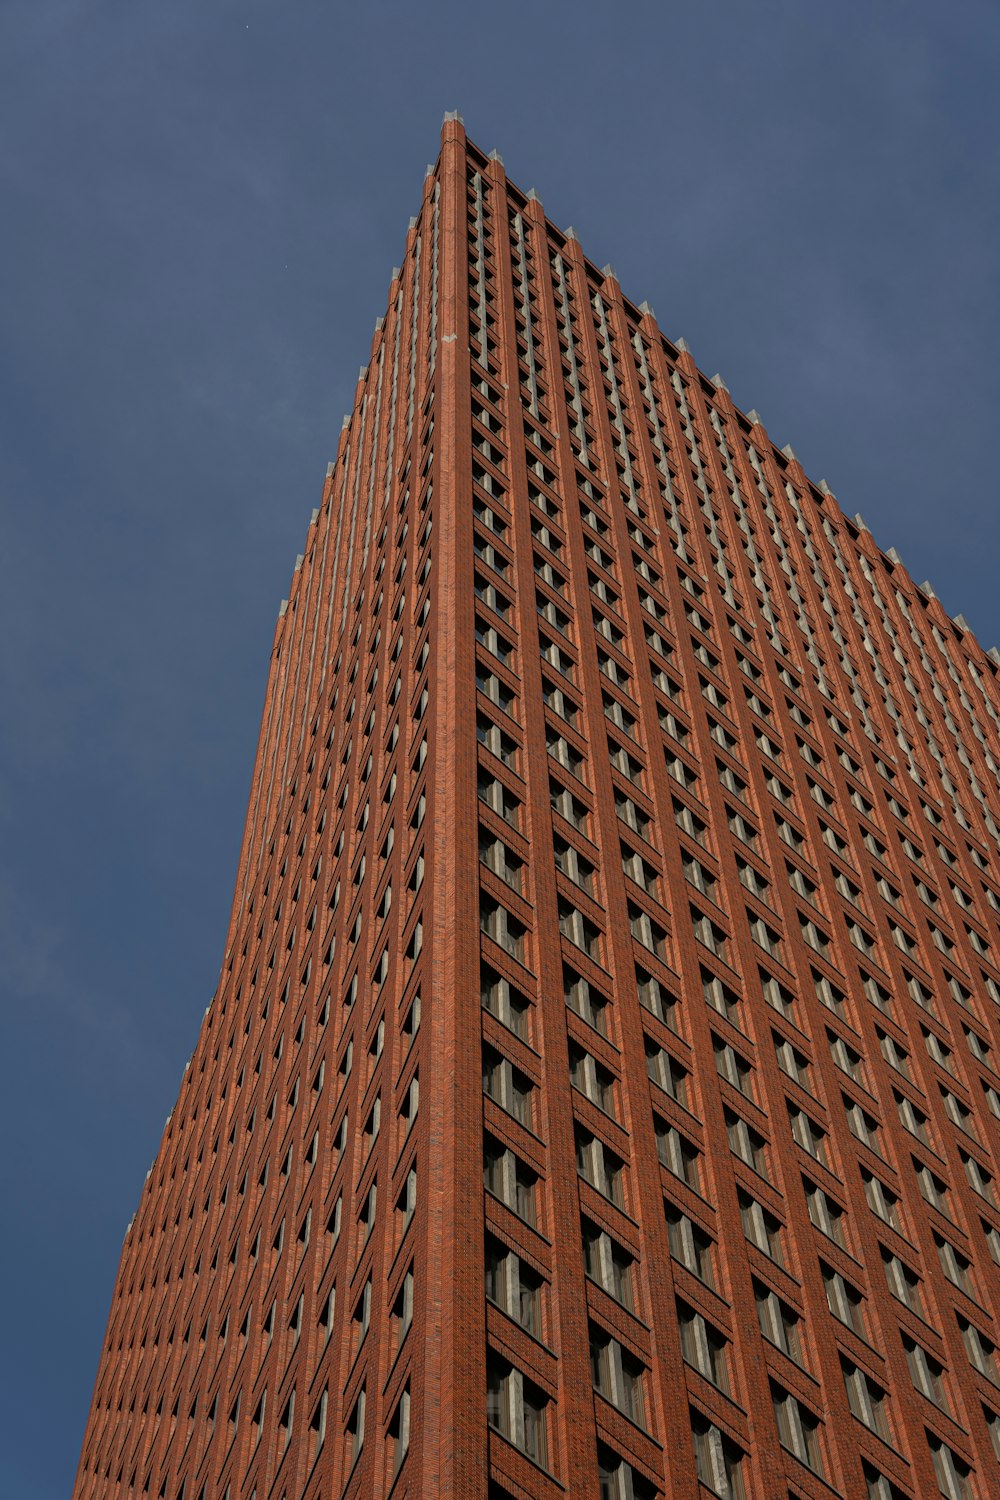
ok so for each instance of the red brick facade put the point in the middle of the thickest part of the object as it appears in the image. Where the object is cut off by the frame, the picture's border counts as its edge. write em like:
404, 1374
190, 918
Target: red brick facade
600, 1097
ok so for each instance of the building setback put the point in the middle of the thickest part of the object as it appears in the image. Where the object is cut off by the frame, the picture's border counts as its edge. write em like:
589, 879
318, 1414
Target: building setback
600, 1095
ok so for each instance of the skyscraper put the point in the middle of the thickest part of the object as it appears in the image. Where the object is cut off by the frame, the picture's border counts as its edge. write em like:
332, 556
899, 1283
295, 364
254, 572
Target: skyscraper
599, 1097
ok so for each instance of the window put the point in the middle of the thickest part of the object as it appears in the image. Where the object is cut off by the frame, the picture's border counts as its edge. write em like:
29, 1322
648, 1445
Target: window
647, 932
903, 1283
559, 702
954, 1265
497, 691
765, 936
717, 1459
286, 1421
599, 1166
514, 1286
402, 1310
372, 1123
507, 1085
867, 1400
825, 1214
579, 929
981, 1351
625, 763
881, 1200
798, 1429
808, 1134
497, 796
813, 935
656, 998
705, 930
493, 738
843, 1299
690, 1244
317, 1424
950, 1471
565, 753
719, 996
676, 1152
957, 1112
508, 1178
703, 1346
592, 1079
356, 1428
617, 1375
666, 1071
489, 637
746, 1143
505, 1002
561, 659
617, 1480
993, 1423
496, 856
691, 825
827, 994
585, 1000
878, 1486
779, 1323
572, 863
631, 814
502, 926
761, 1227
492, 596
366, 1218
912, 1118
399, 1431
926, 1373
636, 868
979, 1179
847, 1059
516, 1408
696, 874
863, 1126
780, 999
896, 1056
607, 1263
792, 1061
732, 1066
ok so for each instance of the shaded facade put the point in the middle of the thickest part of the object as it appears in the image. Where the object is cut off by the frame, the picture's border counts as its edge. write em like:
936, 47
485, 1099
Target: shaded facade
600, 1093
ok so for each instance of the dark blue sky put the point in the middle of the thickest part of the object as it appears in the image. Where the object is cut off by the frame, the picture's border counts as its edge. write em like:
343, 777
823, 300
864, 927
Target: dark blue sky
202, 201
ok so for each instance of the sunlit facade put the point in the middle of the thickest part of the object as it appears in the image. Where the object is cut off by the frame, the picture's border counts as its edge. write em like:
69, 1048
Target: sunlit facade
599, 1098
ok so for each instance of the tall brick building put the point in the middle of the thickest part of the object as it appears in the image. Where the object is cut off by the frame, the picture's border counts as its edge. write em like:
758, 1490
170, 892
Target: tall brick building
600, 1097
